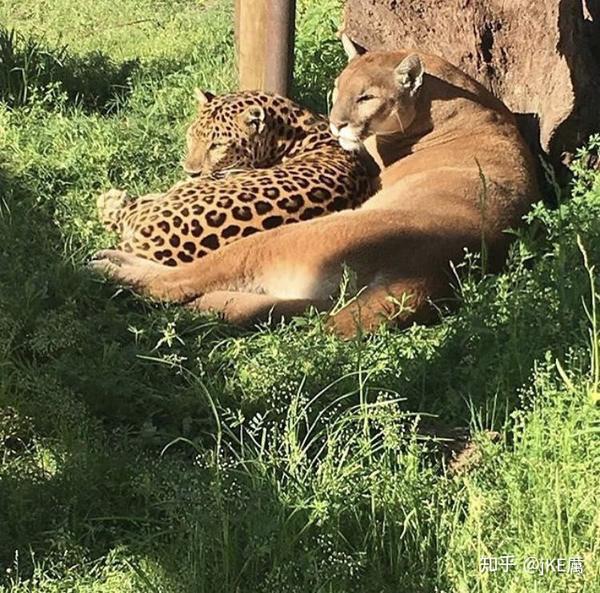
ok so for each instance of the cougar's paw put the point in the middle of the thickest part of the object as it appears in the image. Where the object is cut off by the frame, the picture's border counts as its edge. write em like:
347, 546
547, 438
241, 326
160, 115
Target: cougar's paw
344, 325
109, 203
146, 277
123, 268
208, 303
111, 262
115, 256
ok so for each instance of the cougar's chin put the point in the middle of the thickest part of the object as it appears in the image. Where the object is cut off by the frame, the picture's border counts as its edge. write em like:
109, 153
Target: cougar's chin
351, 145
349, 138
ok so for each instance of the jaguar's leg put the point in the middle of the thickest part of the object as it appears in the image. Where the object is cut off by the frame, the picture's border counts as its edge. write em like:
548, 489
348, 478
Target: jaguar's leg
109, 206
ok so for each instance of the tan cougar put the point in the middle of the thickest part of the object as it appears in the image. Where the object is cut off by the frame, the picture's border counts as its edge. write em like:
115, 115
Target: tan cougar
456, 175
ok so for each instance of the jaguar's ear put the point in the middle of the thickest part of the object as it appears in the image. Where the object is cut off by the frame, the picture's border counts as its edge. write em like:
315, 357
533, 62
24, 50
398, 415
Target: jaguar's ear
409, 75
254, 119
352, 49
203, 96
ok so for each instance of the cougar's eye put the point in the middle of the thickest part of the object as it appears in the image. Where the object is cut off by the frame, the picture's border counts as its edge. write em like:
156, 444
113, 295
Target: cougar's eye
364, 97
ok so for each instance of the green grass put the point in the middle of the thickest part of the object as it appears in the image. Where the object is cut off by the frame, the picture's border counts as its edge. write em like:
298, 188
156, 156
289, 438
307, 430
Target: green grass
146, 449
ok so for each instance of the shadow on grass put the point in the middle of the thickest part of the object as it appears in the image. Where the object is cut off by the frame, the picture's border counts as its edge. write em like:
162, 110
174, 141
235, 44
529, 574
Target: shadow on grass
76, 387
93, 81
89, 400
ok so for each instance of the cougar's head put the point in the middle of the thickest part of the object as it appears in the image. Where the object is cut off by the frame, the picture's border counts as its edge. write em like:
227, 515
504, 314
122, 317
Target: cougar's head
375, 94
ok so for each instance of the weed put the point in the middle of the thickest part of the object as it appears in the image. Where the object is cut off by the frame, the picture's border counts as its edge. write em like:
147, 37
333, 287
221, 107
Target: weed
143, 448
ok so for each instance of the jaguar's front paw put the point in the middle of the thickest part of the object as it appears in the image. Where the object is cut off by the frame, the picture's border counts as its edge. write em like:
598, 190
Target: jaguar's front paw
109, 205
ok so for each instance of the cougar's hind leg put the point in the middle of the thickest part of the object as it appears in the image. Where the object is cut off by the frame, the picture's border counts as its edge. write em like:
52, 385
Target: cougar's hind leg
400, 304
246, 308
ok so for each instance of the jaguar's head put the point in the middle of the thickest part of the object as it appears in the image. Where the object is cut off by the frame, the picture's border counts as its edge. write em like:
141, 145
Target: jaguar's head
225, 133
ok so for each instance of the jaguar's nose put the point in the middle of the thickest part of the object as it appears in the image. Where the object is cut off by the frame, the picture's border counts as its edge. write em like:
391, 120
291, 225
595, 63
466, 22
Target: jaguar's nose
192, 171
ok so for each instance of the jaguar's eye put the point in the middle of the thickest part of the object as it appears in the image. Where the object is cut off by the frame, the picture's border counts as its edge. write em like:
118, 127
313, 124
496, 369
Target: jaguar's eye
215, 144
364, 97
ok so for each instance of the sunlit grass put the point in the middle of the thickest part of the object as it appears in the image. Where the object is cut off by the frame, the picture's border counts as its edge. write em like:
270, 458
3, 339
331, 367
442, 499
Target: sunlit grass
146, 449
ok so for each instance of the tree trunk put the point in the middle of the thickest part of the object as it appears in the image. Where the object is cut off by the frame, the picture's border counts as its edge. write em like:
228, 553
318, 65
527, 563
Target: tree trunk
265, 44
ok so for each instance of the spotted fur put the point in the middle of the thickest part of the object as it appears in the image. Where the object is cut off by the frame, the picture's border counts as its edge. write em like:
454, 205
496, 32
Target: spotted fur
309, 175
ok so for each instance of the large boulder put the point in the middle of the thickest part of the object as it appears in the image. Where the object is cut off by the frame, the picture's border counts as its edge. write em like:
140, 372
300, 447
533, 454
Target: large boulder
541, 57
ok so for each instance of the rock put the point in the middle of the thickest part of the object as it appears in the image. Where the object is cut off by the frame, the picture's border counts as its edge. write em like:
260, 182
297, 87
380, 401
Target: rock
541, 57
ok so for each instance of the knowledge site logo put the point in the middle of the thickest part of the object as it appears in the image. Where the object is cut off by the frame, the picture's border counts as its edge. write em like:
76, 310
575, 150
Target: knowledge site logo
532, 564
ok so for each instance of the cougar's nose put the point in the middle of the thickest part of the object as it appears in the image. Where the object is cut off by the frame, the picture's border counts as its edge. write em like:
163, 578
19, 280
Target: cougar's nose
336, 127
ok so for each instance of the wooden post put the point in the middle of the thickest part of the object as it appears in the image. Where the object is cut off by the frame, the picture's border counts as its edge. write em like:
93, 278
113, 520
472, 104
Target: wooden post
264, 31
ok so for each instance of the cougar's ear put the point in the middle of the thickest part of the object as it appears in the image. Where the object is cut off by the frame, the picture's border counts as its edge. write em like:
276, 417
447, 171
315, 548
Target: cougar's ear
409, 74
334, 90
203, 96
352, 49
254, 119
